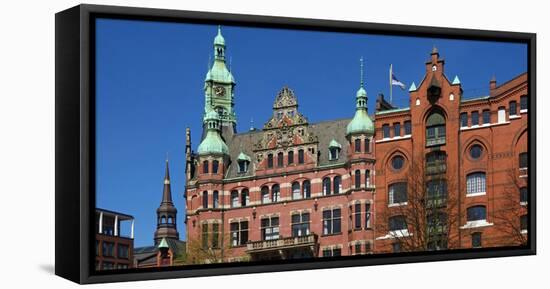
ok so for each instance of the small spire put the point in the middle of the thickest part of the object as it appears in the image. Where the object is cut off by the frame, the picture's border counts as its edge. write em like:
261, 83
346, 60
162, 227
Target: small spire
434, 50
413, 87
456, 80
219, 30
166, 172
362, 72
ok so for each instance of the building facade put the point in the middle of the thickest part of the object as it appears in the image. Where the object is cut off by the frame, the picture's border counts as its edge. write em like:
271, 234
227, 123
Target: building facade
296, 189
113, 249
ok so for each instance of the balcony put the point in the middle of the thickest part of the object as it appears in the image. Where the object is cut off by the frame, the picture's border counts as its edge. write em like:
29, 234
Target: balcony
436, 167
435, 141
282, 243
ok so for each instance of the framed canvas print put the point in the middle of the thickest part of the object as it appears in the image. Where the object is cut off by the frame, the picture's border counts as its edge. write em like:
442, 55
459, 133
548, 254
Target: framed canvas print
194, 144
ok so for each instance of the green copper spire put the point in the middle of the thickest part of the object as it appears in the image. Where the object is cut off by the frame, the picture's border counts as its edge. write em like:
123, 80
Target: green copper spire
361, 122
219, 86
212, 143
413, 87
456, 80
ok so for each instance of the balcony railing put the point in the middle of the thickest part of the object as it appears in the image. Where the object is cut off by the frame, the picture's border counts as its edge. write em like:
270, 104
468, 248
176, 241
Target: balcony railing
282, 243
437, 167
435, 141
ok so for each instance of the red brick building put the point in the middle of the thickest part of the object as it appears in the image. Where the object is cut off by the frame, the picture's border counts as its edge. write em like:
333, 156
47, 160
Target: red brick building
295, 189
113, 249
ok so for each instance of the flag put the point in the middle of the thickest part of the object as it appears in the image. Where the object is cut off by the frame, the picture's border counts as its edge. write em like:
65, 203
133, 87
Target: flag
395, 81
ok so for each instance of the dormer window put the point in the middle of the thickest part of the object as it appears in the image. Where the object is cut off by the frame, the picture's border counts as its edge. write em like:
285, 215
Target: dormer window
243, 166
334, 149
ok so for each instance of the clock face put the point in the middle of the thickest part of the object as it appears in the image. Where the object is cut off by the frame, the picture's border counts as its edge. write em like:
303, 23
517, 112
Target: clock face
219, 90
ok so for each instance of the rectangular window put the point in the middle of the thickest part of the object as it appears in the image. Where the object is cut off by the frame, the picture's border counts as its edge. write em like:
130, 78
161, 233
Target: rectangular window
398, 223
523, 161
475, 183
358, 248
501, 115
396, 247
280, 157
523, 195
270, 228
245, 198
486, 116
332, 221
513, 108
270, 161
234, 199
204, 236
108, 249
300, 224
239, 233
476, 240
290, 157
215, 235
357, 216
476, 213
367, 216
205, 199
464, 119
475, 118
367, 145
336, 252
386, 130
300, 156
396, 129
205, 167
397, 193
122, 251
216, 199
408, 128
357, 145
523, 102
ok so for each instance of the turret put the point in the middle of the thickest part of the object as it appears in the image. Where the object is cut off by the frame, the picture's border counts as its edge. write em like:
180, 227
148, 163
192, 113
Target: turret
361, 124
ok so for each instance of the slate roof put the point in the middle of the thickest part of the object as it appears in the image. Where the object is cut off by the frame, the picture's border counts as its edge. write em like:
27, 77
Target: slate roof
325, 131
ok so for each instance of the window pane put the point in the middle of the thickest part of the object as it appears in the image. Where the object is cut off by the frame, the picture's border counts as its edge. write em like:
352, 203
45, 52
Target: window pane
386, 130
523, 102
475, 183
523, 195
523, 160
301, 156
357, 145
513, 108
290, 157
407, 128
269, 160
486, 117
475, 118
357, 179
464, 119
476, 213
396, 129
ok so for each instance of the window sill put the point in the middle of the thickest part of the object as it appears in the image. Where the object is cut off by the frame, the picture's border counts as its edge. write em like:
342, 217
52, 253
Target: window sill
476, 224
524, 231
523, 203
514, 116
476, 194
397, 204
333, 234
395, 234
396, 138
523, 111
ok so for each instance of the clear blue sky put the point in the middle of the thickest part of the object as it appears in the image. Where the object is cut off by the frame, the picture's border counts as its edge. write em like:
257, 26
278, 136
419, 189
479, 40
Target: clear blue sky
150, 79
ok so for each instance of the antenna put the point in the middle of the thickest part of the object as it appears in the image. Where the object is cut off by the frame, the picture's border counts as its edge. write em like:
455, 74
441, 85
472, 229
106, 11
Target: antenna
361, 61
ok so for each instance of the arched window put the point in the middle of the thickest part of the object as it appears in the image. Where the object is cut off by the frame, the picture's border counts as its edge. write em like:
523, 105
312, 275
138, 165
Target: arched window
270, 161
234, 199
280, 159
245, 198
296, 193
290, 157
476, 213
163, 219
367, 145
475, 183
333, 153
357, 179
367, 178
300, 156
337, 184
397, 223
205, 167
435, 129
215, 199
205, 199
306, 187
397, 193
523, 102
215, 165
326, 187
265, 195
523, 161
357, 145
275, 193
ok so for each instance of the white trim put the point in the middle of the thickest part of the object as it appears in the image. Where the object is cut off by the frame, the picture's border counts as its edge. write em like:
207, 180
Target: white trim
395, 234
485, 125
476, 224
396, 138
397, 204
524, 231
523, 203
476, 194
523, 111
516, 116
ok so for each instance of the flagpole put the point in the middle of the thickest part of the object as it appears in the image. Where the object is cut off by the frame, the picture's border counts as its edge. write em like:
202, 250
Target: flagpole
391, 96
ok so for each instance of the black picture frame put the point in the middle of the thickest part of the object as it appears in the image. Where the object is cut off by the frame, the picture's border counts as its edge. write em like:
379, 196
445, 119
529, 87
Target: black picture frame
74, 149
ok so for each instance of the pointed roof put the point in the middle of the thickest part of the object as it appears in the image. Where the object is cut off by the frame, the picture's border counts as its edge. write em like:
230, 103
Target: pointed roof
166, 193
434, 50
163, 244
243, 157
219, 40
456, 80
334, 144
413, 87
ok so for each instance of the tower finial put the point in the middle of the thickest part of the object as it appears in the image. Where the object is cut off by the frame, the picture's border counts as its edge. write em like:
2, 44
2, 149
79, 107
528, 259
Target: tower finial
251, 124
219, 30
434, 50
362, 72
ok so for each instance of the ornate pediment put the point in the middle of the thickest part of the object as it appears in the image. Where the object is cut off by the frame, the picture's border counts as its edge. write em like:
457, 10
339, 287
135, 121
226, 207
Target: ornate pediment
285, 98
